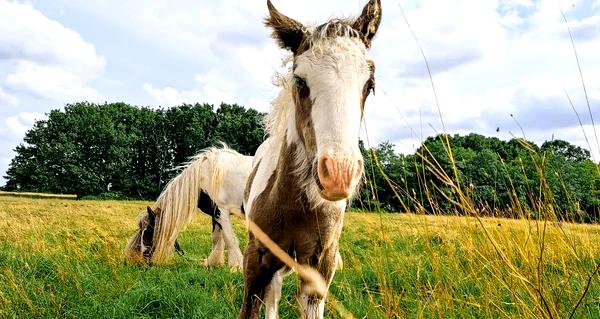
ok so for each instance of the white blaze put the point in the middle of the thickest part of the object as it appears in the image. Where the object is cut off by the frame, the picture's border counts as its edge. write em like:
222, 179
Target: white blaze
336, 72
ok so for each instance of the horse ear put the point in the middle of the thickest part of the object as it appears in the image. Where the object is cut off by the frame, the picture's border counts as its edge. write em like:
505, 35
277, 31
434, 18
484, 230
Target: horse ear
368, 21
151, 213
287, 31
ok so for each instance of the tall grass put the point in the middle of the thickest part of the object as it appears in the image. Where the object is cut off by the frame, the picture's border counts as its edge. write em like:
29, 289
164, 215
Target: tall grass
518, 268
480, 267
63, 258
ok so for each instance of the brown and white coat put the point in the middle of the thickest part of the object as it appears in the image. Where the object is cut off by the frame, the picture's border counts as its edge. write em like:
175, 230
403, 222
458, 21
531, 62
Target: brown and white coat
310, 165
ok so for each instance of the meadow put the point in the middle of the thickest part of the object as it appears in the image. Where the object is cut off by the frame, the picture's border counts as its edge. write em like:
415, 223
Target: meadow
61, 258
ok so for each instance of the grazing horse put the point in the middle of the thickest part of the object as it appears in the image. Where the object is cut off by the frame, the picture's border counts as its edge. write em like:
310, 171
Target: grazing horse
214, 182
310, 165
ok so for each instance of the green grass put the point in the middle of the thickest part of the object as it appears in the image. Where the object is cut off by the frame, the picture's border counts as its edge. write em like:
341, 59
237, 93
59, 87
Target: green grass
63, 259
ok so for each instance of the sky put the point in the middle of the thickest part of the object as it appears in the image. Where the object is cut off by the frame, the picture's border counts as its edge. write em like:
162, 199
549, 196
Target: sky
499, 68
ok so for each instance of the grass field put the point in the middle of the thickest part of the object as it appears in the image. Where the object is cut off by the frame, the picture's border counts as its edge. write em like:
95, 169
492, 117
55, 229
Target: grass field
62, 258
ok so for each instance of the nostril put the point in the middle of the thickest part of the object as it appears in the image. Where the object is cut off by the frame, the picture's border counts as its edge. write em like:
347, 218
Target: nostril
359, 169
323, 171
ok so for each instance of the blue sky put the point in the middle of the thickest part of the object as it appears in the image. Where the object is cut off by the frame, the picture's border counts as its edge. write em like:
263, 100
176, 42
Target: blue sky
489, 59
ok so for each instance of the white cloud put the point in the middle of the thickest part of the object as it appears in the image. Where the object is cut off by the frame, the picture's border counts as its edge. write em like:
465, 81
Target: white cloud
43, 58
586, 29
217, 85
48, 82
14, 127
166, 96
26, 34
210, 87
192, 30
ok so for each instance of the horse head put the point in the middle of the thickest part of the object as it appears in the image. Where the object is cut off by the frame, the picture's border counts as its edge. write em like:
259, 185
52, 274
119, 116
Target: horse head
332, 76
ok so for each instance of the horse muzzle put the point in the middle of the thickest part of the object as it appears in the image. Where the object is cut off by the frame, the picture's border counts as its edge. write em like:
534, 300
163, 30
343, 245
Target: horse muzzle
339, 176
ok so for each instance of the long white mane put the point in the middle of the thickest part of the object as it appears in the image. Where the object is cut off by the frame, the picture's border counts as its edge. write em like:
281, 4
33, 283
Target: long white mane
282, 106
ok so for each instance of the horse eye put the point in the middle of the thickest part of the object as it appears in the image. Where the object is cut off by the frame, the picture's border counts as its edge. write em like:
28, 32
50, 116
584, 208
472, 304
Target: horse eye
299, 82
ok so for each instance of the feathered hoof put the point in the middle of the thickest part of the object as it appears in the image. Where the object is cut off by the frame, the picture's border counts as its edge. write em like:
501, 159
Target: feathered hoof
236, 260
235, 268
214, 260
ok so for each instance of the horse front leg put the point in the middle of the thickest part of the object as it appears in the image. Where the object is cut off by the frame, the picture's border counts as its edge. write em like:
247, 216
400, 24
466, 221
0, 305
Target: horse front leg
216, 257
273, 296
312, 305
259, 267
231, 242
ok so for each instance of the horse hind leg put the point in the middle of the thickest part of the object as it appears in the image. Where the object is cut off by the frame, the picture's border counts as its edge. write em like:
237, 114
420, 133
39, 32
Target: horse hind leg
231, 242
216, 257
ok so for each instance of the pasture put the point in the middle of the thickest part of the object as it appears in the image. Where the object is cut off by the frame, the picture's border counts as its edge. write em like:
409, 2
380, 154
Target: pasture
61, 258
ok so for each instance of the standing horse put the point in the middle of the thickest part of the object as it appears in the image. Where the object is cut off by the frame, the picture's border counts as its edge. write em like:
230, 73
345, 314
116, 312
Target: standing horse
214, 182
311, 164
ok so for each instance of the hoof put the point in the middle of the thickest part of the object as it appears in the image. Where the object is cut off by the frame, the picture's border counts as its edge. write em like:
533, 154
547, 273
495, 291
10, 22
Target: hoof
235, 268
214, 260
236, 259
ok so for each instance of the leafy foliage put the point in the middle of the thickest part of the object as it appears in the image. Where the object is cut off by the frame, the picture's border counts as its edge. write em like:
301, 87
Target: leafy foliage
506, 178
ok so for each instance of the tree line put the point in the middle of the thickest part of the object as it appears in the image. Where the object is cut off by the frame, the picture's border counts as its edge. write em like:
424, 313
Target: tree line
453, 174
116, 150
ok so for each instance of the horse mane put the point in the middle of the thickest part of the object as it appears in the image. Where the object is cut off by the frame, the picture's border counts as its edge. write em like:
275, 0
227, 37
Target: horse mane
275, 122
334, 28
179, 199
132, 249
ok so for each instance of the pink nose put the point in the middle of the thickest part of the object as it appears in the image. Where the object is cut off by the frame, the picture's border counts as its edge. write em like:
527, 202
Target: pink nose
338, 176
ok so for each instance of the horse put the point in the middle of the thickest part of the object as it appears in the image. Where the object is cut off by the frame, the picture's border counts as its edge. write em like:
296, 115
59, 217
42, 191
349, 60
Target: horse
213, 181
310, 165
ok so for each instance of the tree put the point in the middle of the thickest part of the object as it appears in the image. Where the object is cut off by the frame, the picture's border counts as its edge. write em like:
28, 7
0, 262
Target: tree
189, 129
237, 127
566, 150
